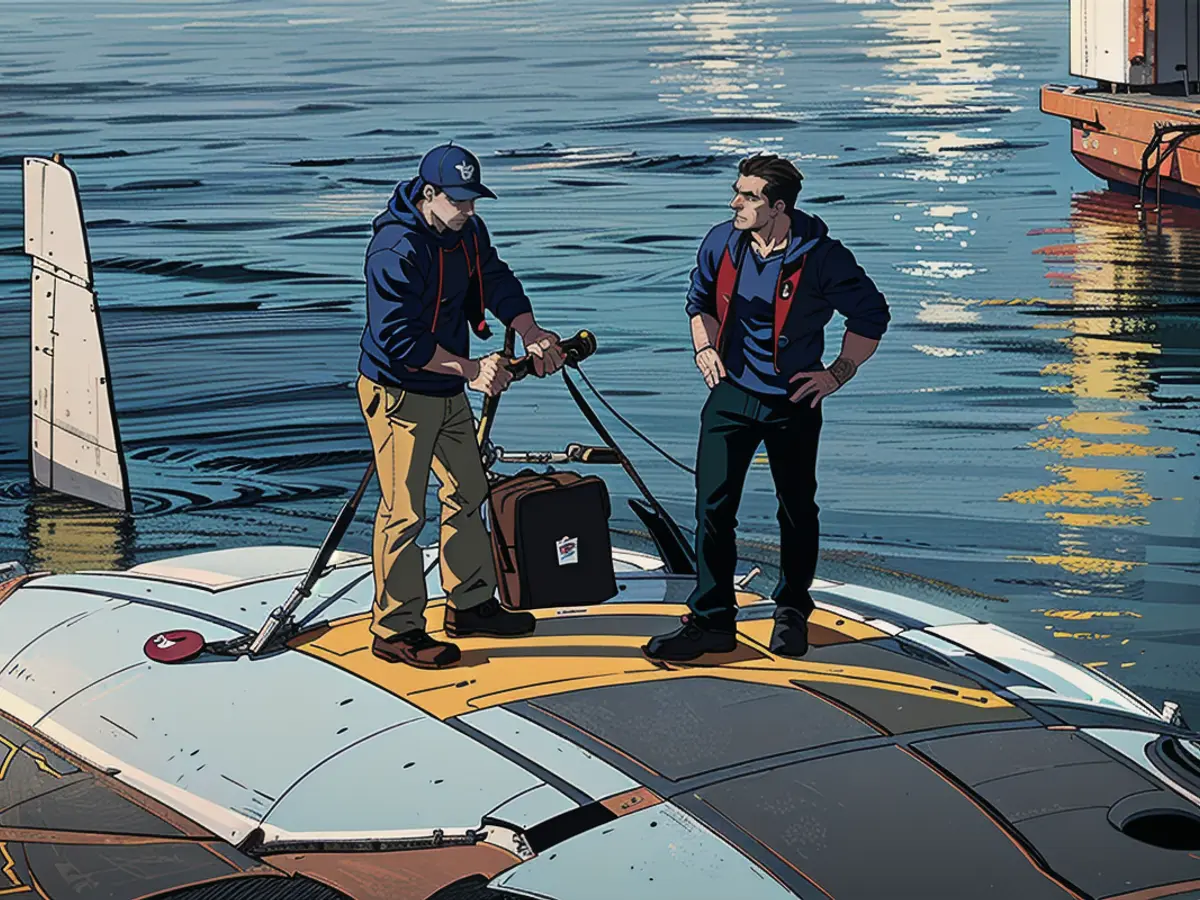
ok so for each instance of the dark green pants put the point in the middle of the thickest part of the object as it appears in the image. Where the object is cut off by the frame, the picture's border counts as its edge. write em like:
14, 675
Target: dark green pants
732, 426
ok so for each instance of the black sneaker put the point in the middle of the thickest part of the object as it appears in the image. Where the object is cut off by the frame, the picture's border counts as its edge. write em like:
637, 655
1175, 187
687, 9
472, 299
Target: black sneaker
790, 635
690, 641
490, 619
416, 648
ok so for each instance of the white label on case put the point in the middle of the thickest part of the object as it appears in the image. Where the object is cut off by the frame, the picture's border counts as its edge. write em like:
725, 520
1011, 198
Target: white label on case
568, 551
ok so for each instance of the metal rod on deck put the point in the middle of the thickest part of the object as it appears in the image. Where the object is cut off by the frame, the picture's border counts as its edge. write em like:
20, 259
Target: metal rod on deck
282, 615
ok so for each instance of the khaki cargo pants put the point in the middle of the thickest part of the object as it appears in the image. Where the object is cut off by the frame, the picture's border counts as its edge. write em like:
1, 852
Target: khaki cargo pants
412, 435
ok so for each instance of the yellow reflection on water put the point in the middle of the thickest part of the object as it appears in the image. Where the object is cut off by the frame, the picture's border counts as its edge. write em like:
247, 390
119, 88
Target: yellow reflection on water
1078, 564
1073, 448
1103, 366
1107, 423
1094, 520
1086, 488
1082, 635
1109, 324
1082, 615
64, 534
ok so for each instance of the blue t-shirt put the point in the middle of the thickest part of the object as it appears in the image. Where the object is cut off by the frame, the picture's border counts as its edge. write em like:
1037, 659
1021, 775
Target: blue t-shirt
750, 360
833, 282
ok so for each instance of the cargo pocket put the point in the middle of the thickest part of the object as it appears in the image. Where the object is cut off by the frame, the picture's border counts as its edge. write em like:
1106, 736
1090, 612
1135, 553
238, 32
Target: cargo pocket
374, 401
392, 398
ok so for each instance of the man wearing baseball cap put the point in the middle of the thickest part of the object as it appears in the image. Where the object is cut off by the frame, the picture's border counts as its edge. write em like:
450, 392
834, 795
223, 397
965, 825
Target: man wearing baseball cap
431, 273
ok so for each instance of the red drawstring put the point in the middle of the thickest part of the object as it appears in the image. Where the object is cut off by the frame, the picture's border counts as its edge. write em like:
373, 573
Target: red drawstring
478, 275
437, 303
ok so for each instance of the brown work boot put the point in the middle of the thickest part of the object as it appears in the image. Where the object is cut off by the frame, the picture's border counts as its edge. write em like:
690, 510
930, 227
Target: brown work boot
490, 619
417, 649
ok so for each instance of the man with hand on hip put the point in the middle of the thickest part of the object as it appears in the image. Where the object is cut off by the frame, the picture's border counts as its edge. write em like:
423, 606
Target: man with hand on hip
765, 286
431, 272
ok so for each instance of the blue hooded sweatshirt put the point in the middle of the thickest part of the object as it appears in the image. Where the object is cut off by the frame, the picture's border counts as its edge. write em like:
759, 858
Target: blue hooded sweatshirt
832, 280
424, 289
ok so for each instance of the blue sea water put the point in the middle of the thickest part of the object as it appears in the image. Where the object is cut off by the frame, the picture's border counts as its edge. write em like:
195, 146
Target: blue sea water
1022, 446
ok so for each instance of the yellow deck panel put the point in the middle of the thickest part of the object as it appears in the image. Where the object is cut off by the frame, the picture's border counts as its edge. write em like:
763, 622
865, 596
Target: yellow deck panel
497, 670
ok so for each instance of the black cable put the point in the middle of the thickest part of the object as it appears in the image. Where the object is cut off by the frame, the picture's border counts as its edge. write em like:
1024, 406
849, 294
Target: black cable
629, 425
675, 549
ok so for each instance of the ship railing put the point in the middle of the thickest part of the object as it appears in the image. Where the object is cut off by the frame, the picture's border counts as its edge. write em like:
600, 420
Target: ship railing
1180, 132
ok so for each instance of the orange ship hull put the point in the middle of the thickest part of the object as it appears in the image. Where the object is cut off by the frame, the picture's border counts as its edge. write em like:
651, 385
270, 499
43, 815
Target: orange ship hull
1110, 134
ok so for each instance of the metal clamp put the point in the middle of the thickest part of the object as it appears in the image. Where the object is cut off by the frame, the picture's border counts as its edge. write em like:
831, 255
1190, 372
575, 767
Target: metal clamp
574, 453
1173, 715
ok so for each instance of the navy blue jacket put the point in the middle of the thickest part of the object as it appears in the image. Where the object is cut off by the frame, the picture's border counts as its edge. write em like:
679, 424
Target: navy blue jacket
831, 280
426, 288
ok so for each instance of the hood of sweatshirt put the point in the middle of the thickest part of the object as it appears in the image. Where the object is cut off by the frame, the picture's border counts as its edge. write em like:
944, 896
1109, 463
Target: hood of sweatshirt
402, 210
807, 232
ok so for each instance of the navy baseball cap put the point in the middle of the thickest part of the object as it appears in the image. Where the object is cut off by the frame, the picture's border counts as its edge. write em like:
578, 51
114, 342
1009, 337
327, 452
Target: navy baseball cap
456, 171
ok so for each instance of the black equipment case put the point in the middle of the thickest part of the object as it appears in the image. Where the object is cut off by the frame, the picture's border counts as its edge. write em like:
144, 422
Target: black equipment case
550, 540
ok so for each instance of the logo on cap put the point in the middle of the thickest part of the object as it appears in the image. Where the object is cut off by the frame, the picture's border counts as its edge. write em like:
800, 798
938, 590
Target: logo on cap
456, 171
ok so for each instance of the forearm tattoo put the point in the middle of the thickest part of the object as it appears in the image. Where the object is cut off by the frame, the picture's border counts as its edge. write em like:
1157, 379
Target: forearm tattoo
843, 369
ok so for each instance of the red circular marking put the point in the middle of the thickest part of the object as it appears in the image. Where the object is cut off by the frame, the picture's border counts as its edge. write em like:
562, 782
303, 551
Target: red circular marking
174, 646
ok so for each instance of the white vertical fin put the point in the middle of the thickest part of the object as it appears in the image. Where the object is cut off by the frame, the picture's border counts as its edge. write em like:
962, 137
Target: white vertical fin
74, 441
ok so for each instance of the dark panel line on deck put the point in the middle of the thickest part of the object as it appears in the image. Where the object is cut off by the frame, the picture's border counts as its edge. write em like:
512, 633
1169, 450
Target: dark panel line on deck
555, 781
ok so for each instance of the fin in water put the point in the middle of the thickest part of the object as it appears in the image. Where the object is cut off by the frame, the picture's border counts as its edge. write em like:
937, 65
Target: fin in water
75, 446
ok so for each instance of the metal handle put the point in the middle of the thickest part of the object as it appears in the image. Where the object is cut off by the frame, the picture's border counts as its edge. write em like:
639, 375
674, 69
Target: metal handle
576, 348
488, 414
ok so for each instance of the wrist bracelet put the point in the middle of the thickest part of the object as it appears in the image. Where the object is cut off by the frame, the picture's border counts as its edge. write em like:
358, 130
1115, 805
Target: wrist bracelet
702, 349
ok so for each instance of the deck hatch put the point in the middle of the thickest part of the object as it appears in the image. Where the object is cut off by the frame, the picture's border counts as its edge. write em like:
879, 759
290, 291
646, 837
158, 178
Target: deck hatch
877, 823
684, 727
1061, 792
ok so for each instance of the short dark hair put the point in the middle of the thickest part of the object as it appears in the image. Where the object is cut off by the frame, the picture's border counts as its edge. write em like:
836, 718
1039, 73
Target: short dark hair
783, 179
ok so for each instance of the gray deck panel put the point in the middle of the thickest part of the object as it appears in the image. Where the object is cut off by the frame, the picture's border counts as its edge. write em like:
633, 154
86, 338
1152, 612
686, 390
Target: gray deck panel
1025, 774
24, 780
901, 713
1084, 847
978, 758
686, 726
119, 872
878, 823
84, 805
